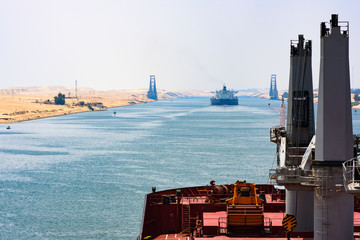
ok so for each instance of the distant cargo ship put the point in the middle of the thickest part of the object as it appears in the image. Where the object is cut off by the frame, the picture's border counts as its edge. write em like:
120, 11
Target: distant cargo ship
224, 97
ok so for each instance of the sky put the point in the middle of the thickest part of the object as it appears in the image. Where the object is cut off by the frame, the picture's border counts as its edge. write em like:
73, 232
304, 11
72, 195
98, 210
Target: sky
186, 44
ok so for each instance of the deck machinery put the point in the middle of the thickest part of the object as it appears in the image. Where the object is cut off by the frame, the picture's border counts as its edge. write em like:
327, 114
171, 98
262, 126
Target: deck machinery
245, 210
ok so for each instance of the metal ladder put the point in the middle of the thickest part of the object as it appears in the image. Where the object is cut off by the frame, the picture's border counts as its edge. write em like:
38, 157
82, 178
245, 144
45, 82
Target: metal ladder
322, 194
186, 219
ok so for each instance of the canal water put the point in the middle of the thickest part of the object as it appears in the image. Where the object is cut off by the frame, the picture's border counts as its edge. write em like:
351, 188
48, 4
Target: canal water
84, 176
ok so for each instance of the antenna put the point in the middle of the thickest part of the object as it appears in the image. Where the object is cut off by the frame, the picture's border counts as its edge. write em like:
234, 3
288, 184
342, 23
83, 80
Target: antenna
282, 113
76, 89
352, 78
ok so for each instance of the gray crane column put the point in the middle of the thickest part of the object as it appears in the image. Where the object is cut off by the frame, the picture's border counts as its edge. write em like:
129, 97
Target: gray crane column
300, 117
300, 129
333, 208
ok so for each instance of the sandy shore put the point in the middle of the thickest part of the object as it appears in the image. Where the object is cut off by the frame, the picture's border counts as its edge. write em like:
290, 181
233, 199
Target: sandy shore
24, 104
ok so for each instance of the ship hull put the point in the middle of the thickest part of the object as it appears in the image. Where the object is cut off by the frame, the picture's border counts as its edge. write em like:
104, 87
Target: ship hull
215, 101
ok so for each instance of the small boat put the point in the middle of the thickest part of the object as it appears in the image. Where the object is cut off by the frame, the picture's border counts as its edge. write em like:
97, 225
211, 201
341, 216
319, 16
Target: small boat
8, 127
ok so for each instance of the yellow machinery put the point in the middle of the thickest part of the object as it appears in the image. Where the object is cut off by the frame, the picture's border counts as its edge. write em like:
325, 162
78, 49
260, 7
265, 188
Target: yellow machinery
244, 194
244, 210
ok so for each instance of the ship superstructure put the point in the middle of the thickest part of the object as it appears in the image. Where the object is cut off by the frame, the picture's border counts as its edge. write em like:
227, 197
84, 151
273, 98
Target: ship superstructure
224, 97
322, 170
293, 140
333, 208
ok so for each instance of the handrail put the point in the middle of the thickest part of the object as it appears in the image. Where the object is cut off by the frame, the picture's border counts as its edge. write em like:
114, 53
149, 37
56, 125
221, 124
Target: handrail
291, 175
267, 222
351, 175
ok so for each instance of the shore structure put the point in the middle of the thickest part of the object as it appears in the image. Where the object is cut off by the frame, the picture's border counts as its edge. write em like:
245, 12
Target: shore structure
152, 93
273, 93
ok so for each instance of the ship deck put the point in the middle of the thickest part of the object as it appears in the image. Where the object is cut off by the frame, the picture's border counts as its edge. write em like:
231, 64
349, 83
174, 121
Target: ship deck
211, 219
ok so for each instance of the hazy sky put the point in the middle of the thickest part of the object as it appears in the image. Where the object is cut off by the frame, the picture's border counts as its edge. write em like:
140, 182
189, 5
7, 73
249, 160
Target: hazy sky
197, 44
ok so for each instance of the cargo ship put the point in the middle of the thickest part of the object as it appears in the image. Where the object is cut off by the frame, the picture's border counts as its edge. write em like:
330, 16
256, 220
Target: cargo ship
224, 97
315, 179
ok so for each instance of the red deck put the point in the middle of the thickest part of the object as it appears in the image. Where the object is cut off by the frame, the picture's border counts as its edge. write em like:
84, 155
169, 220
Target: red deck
211, 218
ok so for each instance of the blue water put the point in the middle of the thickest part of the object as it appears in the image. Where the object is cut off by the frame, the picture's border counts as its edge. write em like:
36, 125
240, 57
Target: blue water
84, 176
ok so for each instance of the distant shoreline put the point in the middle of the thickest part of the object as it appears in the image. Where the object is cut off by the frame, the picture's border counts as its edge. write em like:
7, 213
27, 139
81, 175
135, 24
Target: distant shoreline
37, 114
32, 105
21, 108
26, 117
25, 104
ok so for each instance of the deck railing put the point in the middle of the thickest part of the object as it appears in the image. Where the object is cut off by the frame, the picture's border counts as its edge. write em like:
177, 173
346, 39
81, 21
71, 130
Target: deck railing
351, 176
267, 222
222, 225
284, 176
